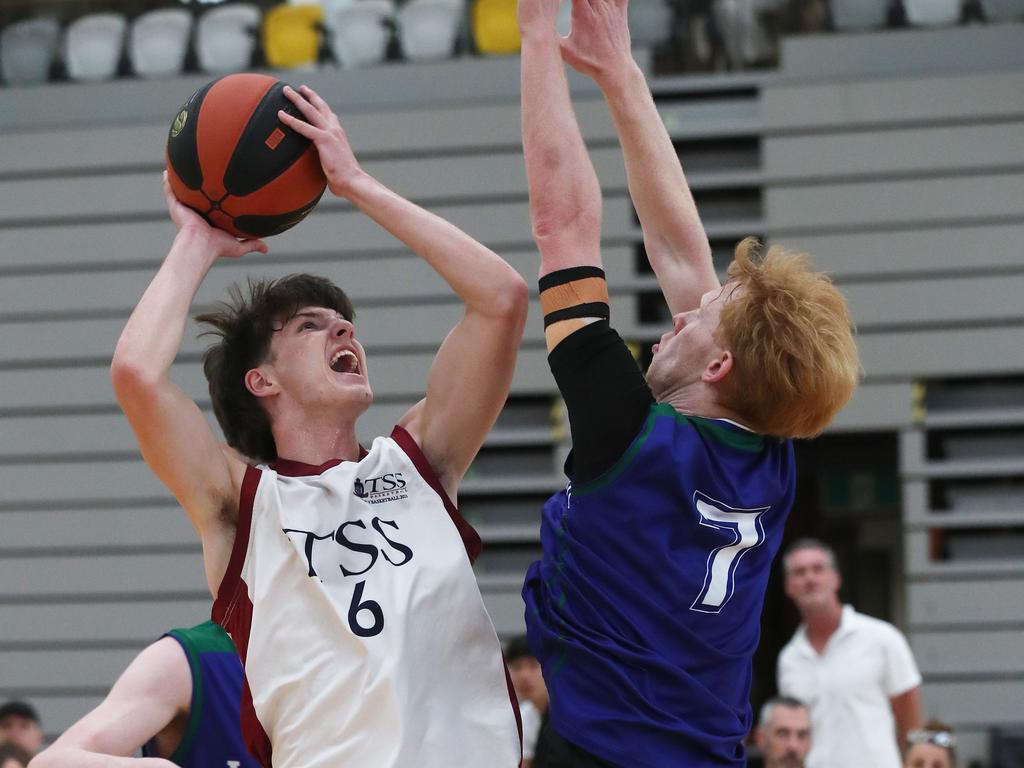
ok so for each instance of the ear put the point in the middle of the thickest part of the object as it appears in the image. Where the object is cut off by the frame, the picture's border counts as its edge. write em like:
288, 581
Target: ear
259, 383
718, 368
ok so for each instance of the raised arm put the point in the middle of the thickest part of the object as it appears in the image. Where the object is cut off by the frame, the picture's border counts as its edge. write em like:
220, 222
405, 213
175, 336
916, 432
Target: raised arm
472, 372
175, 439
565, 196
154, 691
674, 237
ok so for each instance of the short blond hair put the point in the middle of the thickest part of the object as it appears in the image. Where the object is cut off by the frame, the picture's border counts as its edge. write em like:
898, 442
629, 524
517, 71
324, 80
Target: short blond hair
789, 330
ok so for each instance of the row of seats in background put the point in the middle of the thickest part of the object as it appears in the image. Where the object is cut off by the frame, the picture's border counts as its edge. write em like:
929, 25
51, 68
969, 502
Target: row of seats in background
238, 36
235, 36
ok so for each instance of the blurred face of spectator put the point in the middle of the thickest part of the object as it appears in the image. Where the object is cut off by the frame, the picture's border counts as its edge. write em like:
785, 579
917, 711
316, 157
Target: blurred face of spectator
811, 580
928, 756
528, 681
22, 731
786, 739
11, 763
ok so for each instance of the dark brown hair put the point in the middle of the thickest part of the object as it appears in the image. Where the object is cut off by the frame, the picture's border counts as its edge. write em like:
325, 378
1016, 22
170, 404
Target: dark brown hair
245, 325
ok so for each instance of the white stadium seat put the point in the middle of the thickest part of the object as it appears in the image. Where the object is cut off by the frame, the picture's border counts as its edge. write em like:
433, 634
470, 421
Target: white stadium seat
27, 49
93, 45
158, 42
1003, 10
854, 15
932, 13
427, 28
226, 37
359, 32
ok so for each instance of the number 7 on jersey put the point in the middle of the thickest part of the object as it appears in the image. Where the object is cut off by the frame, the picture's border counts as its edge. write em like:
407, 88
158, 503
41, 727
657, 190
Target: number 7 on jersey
745, 526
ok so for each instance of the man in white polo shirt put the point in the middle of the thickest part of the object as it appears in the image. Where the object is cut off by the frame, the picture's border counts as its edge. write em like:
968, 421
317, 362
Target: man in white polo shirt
855, 673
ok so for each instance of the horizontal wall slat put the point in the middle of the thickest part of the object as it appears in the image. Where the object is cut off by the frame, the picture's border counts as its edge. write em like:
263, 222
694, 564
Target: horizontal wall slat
395, 280
80, 668
881, 154
845, 104
96, 623
825, 206
137, 575
128, 195
103, 528
390, 375
958, 603
875, 407
337, 231
969, 652
872, 253
992, 702
988, 299
454, 129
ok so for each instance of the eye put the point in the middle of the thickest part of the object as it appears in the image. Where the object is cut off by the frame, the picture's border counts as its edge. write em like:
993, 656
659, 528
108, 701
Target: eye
307, 325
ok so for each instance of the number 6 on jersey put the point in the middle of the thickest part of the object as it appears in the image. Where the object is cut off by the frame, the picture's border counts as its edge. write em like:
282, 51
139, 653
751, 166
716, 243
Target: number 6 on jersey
745, 526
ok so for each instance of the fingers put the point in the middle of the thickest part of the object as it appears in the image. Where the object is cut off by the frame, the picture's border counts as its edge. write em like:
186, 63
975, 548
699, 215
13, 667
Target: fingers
314, 98
308, 110
301, 127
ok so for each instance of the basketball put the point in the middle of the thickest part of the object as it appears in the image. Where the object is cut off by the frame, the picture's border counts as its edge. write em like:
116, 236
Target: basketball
231, 159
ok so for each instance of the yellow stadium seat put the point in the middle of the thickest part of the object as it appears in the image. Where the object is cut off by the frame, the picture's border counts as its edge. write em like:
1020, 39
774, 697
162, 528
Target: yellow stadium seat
291, 35
494, 26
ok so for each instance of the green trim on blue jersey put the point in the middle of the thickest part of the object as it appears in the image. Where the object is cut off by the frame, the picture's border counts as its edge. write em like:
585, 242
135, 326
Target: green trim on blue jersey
714, 430
201, 638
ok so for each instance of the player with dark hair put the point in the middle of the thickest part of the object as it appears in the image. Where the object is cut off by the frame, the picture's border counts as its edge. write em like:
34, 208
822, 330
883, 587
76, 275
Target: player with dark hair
177, 701
645, 607
343, 574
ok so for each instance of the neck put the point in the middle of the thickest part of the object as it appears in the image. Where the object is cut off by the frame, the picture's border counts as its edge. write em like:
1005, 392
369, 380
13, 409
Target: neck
823, 621
697, 401
316, 441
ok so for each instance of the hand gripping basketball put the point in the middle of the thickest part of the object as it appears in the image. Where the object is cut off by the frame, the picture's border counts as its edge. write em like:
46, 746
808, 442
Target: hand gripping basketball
224, 243
233, 161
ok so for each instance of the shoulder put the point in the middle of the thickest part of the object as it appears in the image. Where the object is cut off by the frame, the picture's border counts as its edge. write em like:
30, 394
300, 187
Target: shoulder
790, 653
870, 627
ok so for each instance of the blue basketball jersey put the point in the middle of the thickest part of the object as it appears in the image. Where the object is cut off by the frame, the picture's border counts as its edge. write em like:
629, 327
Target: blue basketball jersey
213, 736
645, 607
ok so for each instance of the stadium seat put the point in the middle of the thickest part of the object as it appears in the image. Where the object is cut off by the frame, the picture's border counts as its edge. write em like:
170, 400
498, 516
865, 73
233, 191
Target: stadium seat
93, 46
932, 13
650, 22
26, 51
291, 36
1003, 10
745, 39
226, 37
854, 15
495, 31
427, 28
158, 41
360, 32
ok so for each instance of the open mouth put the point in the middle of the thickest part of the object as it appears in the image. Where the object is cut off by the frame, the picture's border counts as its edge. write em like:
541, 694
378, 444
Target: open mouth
345, 361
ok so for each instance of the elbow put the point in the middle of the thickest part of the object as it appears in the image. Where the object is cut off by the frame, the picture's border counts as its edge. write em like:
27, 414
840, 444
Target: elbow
131, 378
513, 299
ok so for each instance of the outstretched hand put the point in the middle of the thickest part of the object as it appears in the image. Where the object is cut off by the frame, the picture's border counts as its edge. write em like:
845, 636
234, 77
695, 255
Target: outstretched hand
323, 128
599, 44
223, 243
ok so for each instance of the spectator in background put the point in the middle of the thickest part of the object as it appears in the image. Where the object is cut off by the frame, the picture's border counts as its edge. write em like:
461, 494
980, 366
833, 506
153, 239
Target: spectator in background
934, 746
178, 701
855, 673
784, 733
13, 756
20, 725
542, 746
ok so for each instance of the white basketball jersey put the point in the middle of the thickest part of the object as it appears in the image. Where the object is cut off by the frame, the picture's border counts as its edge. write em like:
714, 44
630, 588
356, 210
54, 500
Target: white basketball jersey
354, 607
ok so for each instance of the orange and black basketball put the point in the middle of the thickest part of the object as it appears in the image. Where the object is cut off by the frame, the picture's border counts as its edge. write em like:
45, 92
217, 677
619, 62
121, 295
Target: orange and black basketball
233, 161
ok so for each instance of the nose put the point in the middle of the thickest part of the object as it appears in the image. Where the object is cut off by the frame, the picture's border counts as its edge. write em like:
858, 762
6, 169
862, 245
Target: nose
341, 327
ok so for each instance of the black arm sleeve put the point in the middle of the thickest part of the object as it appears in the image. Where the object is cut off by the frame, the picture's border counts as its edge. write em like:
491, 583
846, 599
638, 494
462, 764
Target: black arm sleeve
605, 394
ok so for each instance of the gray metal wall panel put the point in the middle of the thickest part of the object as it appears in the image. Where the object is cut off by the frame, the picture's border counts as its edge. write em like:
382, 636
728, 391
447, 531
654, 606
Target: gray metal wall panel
979, 653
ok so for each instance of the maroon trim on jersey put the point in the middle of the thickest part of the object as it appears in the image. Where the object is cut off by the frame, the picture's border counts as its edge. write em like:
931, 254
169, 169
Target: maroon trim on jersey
515, 706
290, 468
233, 611
470, 538
228, 591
